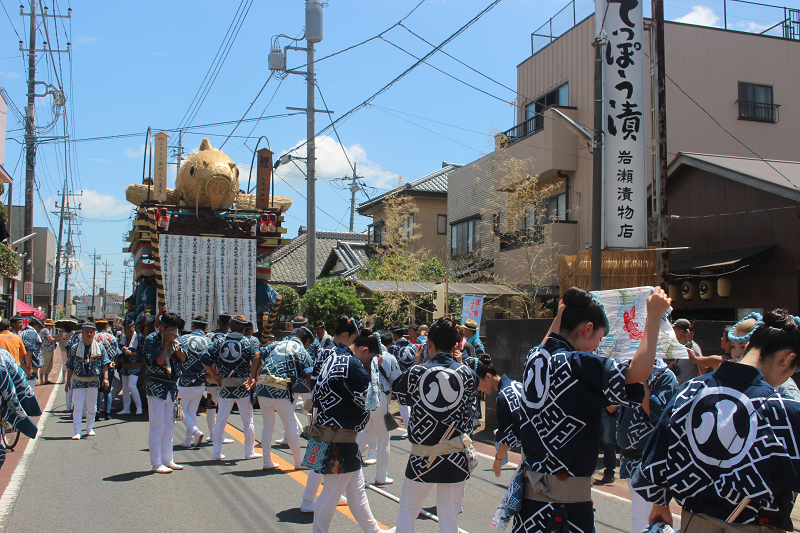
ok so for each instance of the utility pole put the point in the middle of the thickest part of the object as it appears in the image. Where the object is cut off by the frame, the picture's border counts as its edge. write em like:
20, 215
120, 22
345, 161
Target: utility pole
105, 290
30, 158
663, 211
70, 251
95, 257
597, 168
64, 213
354, 188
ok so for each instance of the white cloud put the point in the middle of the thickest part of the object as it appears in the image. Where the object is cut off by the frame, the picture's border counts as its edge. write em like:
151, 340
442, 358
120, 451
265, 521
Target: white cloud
755, 27
701, 16
10, 75
139, 152
86, 40
99, 205
332, 164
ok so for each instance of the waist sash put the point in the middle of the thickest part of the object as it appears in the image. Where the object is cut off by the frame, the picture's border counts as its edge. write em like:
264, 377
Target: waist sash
233, 382
453, 445
554, 489
130, 366
274, 382
703, 523
87, 379
326, 434
165, 381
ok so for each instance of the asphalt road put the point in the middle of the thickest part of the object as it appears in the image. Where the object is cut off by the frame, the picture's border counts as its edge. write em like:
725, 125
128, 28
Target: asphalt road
104, 483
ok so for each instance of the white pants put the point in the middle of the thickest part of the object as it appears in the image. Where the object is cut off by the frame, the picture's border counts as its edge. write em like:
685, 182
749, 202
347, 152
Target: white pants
162, 428
130, 390
211, 414
285, 410
312, 486
376, 430
190, 401
448, 504
351, 484
640, 510
249, 429
404, 415
83, 400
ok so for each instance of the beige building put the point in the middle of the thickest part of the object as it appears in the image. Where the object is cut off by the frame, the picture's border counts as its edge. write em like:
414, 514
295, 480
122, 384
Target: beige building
747, 82
429, 222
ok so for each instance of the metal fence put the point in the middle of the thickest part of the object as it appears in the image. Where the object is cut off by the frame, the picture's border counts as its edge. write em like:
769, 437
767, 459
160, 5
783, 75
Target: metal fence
736, 15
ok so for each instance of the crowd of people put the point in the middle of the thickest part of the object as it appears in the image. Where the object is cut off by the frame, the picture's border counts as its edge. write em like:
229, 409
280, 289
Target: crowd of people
716, 433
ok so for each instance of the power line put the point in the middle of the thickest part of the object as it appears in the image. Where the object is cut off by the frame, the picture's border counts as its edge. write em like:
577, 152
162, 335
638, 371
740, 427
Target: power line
405, 72
272, 73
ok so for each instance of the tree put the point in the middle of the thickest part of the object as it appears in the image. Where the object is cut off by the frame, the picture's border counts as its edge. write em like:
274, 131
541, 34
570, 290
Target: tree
330, 298
290, 305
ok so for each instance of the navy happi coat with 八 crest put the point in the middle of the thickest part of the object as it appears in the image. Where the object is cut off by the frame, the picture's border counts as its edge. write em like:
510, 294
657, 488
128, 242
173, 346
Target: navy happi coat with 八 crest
440, 394
163, 378
340, 396
563, 394
233, 356
404, 352
726, 436
136, 346
192, 372
509, 412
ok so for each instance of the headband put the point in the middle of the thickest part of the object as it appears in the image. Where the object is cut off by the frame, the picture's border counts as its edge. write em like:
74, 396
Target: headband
355, 323
307, 331
237, 321
797, 320
603, 309
745, 338
88, 325
199, 323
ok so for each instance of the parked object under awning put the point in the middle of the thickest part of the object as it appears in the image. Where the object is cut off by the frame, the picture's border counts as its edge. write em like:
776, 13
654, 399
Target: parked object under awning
724, 261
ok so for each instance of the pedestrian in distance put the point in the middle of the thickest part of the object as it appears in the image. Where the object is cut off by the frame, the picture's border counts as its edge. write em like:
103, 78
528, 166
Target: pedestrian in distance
131, 356
33, 344
48, 348
87, 371
105, 395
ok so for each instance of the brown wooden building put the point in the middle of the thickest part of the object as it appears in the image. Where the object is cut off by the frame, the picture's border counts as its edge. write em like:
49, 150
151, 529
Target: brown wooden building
740, 218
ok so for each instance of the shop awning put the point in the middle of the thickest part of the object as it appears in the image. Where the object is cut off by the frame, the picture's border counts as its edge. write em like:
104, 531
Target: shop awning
26, 310
427, 287
727, 260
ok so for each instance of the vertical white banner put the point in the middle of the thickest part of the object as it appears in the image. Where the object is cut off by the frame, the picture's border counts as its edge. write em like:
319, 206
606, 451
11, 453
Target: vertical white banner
624, 110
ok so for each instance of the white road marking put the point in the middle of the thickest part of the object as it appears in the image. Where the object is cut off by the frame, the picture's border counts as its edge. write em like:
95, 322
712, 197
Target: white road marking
18, 476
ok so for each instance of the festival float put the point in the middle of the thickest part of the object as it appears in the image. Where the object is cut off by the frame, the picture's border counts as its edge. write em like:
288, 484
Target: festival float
205, 247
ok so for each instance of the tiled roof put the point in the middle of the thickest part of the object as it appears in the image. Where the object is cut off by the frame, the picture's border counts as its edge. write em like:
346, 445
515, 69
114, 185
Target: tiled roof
352, 255
289, 262
433, 182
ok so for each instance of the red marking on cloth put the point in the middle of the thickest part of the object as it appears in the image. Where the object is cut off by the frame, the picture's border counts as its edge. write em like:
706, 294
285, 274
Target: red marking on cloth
631, 326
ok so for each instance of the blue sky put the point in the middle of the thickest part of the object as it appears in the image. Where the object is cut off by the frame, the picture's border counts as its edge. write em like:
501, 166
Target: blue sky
139, 64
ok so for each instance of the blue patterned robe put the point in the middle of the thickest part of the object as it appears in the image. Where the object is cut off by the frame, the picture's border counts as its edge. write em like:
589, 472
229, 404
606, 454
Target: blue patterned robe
404, 352
33, 344
162, 382
440, 394
17, 401
192, 372
563, 394
136, 357
725, 436
326, 348
286, 359
635, 426
233, 356
83, 365
509, 412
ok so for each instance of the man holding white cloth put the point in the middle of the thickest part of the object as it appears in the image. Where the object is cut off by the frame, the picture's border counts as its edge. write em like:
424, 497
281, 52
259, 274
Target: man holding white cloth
87, 368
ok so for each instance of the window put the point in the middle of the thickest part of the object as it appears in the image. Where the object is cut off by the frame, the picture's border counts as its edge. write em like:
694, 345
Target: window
549, 210
755, 103
376, 232
465, 237
441, 225
558, 96
408, 227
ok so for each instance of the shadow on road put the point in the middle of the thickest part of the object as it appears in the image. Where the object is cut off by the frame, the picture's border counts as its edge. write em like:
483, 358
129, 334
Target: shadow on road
253, 473
294, 516
128, 476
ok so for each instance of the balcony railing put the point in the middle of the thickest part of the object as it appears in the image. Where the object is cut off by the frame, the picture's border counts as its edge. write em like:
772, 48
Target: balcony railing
758, 111
533, 125
524, 237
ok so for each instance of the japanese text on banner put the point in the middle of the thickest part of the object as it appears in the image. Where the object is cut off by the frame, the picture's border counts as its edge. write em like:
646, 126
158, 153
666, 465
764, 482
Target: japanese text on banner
471, 309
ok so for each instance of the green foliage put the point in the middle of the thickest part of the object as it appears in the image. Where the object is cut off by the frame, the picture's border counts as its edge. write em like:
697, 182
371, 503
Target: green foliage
291, 300
330, 298
9, 262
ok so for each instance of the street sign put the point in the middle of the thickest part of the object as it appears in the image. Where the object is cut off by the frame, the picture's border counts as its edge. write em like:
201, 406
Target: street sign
160, 177
27, 290
263, 178
624, 112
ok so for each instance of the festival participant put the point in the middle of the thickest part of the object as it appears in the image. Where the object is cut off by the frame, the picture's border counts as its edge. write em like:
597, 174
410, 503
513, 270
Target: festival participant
87, 370
375, 432
636, 424
509, 394
66, 333
12, 343
131, 350
229, 363
278, 367
565, 387
441, 392
471, 331
404, 353
340, 396
413, 333
724, 448
105, 396
344, 335
697, 363
422, 338
212, 388
75, 338
725, 344
48, 348
192, 380
161, 350
17, 399
33, 344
